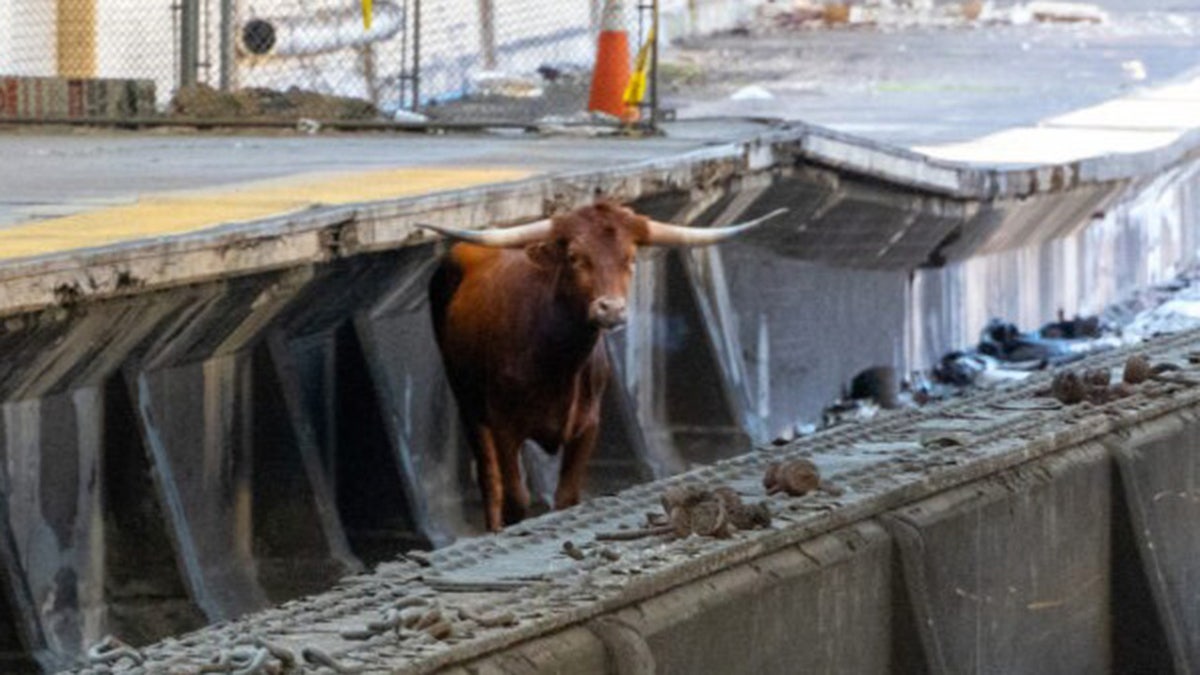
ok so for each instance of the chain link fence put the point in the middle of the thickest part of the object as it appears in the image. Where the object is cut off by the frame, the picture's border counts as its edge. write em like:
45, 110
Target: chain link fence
447, 61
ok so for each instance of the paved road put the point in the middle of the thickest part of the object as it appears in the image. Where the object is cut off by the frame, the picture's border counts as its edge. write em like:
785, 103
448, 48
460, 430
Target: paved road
926, 85
54, 173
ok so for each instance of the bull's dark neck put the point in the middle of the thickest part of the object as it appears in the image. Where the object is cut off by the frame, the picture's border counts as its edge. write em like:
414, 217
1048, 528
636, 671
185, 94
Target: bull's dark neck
565, 338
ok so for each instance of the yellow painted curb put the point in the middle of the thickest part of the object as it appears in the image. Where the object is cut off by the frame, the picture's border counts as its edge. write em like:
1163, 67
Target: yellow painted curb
182, 212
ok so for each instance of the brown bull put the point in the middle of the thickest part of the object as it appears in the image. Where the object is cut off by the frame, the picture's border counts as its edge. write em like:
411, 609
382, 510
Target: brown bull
518, 314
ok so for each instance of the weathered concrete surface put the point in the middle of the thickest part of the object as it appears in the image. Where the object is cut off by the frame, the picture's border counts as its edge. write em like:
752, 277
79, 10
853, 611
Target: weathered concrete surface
1004, 550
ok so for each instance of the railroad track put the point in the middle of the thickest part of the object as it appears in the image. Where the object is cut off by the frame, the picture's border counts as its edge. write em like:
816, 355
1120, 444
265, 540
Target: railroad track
426, 611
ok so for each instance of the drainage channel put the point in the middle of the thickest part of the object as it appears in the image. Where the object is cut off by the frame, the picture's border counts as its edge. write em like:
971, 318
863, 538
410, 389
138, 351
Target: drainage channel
483, 600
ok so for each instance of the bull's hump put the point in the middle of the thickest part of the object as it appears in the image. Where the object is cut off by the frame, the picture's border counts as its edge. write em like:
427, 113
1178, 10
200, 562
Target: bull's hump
470, 256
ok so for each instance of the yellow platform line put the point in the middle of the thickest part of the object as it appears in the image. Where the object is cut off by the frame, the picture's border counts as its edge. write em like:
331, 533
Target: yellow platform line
174, 213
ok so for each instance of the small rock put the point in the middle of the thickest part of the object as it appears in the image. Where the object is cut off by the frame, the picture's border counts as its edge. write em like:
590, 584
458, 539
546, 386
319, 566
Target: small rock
572, 550
682, 495
708, 519
681, 521
1097, 377
797, 478
1137, 370
1068, 388
728, 496
832, 489
1121, 390
1098, 395
751, 516
442, 630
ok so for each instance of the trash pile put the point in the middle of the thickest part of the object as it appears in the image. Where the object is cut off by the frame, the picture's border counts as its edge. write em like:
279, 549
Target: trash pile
1005, 354
808, 14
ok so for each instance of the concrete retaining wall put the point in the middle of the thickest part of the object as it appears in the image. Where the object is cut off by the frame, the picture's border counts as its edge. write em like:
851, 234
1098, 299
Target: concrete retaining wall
1081, 562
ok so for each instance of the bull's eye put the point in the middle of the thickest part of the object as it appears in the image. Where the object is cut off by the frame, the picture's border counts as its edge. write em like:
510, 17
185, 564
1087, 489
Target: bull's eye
575, 259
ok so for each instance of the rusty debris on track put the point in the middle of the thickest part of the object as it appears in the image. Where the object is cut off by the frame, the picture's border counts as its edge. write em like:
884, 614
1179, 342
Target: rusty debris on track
481, 595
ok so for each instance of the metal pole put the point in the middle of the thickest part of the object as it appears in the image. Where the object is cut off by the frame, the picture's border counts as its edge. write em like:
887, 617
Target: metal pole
654, 69
487, 33
189, 42
416, 54
226, 45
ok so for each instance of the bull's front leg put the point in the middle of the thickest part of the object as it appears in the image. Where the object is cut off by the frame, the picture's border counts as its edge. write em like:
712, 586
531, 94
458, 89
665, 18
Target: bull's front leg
577, 452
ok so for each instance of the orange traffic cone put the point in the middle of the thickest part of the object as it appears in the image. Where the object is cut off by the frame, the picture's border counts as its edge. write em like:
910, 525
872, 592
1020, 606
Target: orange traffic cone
611, 75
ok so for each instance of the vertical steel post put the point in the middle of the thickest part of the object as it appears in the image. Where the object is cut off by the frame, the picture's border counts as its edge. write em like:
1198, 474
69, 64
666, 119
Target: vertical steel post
189, 42
226, 45
416, 55
654, 67
487, 33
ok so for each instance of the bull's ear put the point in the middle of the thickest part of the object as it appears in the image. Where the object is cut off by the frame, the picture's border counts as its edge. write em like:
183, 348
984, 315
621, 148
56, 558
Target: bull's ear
544, 254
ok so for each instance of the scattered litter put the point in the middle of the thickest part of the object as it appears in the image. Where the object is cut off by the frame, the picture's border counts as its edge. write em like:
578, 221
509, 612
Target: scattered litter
1134, 70
588, 124
499, 83
402, 115
1066, 12
753, 92
307, 125
809, 14
488, 618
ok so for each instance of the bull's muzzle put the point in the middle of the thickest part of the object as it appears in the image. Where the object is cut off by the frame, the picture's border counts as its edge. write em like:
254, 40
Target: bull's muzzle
608, 311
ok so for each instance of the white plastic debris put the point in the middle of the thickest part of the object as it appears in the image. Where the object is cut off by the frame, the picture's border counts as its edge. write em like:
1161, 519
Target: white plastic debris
409, 116
498, 83
752, 93
1134, 70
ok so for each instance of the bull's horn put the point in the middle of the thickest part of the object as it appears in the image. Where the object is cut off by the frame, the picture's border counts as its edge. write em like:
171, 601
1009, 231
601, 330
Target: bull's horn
506, 237
665, 234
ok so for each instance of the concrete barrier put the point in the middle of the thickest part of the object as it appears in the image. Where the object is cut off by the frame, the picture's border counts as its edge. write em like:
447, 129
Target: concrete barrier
30, 99
1044, 539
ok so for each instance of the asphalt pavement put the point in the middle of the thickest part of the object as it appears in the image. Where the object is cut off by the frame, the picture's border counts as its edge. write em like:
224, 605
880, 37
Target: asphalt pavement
926, 84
